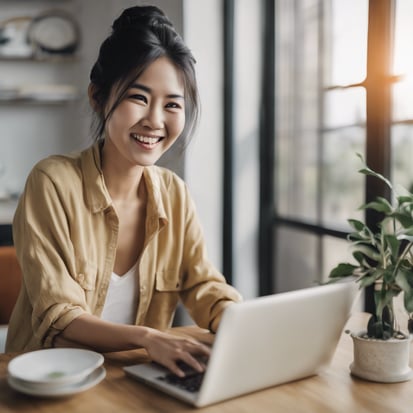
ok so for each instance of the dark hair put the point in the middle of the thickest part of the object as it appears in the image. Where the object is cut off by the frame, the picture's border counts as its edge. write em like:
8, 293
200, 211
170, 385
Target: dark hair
140, 35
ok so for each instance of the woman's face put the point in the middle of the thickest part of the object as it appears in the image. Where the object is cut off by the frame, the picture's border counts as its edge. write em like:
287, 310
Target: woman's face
150, 118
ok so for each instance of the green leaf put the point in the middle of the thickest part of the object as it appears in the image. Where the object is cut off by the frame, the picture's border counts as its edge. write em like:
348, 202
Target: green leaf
406, 220
359, 257
388, 276
357, 225
380, 205
404, 279
393, 243
405, 237
368, 251
370, 279
407, 231
342, 270
367, 171
405, 199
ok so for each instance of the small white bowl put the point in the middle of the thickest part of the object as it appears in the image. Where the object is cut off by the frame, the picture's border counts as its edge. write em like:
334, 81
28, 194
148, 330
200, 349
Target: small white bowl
55, 366
65, 390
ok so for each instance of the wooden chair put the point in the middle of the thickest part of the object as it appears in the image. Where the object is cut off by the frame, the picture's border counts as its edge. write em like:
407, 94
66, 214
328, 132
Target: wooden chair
10, 282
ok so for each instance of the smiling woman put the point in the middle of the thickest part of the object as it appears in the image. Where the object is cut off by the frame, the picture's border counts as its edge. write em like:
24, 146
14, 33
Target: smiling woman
149, 119
108, 242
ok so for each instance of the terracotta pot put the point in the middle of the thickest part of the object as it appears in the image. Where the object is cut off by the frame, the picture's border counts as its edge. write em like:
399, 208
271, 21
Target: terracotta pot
384, 361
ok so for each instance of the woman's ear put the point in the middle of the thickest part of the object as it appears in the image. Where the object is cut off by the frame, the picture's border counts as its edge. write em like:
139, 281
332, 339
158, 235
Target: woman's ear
91, 91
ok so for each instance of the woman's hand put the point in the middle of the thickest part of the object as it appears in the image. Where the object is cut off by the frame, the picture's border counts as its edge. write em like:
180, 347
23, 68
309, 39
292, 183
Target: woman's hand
89, 331
168, 350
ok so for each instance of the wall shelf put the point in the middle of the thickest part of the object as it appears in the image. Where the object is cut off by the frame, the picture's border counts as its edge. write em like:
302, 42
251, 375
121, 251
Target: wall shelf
49, 94
40, 102
50, 58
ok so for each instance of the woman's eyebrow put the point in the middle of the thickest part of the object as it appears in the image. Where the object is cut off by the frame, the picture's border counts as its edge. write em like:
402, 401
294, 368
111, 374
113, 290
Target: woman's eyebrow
149, 90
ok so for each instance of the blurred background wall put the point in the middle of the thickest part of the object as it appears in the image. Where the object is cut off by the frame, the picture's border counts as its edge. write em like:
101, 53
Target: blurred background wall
52, 115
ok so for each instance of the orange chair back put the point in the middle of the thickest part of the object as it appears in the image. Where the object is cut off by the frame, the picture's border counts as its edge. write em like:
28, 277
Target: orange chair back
10, 282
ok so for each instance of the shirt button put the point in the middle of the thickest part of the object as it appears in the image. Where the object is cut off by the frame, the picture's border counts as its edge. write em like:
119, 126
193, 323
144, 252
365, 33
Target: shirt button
81, 277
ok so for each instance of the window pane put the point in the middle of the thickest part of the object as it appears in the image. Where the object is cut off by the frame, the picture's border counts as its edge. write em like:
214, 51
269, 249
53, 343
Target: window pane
346, 39
297, 107
402, 150
345, 107
403, 61
403, 100
402, 135
403, 34
319, 44
335, 250
297, 176
296, 259
343, 186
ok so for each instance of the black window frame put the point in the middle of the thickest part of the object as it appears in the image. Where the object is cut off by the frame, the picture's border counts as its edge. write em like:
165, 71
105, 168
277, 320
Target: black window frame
377, 84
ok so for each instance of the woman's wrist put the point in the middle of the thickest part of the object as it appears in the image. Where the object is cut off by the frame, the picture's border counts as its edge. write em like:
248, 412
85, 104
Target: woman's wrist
140, 336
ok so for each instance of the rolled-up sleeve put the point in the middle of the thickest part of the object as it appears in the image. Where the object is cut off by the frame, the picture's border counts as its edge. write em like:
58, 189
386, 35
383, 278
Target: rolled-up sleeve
41, 233
205, 292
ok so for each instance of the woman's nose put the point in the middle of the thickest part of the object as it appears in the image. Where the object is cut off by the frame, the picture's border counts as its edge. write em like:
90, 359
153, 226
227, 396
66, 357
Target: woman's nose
154, 117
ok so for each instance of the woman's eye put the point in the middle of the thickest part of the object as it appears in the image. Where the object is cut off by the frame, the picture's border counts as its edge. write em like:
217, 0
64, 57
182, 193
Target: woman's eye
173, 105
139, 97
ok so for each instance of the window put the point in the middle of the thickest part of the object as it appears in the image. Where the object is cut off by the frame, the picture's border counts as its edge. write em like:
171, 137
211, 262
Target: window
337, 93
402, 94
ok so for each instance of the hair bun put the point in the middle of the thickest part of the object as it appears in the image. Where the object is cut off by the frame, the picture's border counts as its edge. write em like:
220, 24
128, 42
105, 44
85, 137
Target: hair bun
138, 16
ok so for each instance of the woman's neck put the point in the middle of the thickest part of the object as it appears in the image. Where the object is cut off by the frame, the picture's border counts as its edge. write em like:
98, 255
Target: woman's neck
122, 180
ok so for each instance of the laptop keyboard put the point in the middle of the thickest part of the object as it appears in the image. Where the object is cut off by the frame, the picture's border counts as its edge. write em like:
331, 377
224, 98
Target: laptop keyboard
191, 382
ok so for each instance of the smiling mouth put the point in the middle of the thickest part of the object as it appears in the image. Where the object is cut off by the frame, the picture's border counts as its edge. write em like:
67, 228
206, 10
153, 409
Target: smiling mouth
146, 140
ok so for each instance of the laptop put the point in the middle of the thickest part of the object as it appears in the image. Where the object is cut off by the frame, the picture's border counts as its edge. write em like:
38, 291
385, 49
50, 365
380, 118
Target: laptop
263, 342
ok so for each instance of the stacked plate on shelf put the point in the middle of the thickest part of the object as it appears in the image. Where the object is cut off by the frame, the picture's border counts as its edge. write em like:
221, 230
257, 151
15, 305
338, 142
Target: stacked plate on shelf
51, 32
38, 92
56, 372
48, 93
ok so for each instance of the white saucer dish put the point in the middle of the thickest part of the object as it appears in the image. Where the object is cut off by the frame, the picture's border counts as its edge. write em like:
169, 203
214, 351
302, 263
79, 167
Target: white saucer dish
54, 367
64, 390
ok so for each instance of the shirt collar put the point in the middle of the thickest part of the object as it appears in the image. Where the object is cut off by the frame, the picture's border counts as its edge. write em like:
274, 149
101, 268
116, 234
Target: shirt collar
95, 192
97, 196
154, 183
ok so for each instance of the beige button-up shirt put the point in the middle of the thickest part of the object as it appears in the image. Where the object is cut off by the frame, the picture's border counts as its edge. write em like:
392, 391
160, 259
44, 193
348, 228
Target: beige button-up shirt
65, 231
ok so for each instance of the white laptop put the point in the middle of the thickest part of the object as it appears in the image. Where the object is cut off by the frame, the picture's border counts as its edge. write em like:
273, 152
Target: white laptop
263, 342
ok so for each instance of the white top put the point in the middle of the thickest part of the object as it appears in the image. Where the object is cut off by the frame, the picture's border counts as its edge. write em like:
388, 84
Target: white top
122, 298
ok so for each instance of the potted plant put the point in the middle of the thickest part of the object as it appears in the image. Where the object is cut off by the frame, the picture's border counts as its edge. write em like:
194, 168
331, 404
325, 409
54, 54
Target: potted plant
383, 260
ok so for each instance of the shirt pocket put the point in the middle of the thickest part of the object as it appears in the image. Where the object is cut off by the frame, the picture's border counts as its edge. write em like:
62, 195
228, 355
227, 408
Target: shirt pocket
168, 281
86, 274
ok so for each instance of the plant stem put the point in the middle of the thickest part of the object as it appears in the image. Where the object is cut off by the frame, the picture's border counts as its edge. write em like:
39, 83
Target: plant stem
401, 258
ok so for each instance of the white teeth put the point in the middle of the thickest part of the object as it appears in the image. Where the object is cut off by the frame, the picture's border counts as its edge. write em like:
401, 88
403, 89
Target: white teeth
145, 139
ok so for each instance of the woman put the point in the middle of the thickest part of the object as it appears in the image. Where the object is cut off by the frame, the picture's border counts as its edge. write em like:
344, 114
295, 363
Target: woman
107, 241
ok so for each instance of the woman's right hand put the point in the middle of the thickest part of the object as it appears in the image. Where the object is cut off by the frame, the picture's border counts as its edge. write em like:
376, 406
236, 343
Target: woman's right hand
168, 350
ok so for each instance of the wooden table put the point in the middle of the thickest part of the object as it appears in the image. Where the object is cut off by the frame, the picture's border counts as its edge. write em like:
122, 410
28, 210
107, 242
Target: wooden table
332, 391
